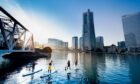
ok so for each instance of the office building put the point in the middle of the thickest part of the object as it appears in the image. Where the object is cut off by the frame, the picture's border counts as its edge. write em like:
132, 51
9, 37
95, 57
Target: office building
131, 27
89, 41
81, 43
99, 42
75, 43
57, 44
121, 45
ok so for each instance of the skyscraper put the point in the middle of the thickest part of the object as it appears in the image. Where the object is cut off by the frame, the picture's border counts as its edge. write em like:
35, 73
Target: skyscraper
75, 43
131, 27
89, 40
99, 42
81, 43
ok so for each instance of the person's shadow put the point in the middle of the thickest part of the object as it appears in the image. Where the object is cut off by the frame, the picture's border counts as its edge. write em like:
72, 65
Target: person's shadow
49, 80
68, 76
33, 68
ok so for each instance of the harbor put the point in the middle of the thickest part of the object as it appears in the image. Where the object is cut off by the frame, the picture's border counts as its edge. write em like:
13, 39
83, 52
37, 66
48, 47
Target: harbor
92, 69
69, 42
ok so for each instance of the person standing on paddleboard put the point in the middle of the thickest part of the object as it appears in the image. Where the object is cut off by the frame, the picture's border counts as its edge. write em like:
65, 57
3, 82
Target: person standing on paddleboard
68, 63
50, 67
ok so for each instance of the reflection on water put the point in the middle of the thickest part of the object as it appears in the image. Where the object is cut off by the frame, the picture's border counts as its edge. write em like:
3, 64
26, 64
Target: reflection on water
90, 67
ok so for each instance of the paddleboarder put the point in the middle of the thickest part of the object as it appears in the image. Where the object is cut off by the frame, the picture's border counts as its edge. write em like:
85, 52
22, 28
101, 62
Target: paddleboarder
50, 66
33, 66
68, 63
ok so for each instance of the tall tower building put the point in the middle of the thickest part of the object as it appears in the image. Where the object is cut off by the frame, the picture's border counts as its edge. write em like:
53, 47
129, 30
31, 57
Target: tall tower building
89, 40
131, 27
75, 43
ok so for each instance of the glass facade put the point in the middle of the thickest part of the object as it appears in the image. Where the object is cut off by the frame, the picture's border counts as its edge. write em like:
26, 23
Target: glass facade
131, 27
89, 41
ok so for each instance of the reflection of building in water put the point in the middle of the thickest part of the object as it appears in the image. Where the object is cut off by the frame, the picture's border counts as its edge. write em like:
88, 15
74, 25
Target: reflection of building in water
57, 44
93, 65
134, 69
60, 54
90, 66
74, 58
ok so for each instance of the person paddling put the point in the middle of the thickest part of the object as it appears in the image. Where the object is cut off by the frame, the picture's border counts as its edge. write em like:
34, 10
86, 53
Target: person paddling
50, 66
68, 63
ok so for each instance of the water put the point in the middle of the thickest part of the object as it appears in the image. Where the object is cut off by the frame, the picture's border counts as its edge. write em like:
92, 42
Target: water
94, 68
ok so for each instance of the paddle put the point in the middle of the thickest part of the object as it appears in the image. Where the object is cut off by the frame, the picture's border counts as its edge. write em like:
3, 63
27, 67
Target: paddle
31, 73
54, 68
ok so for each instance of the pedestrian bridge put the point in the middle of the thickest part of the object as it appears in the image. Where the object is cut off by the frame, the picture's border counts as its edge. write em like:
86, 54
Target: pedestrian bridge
14, 37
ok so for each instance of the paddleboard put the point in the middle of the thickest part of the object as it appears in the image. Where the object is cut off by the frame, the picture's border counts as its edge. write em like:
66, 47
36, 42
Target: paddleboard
32, 73
77, 69
45, 75
68, 71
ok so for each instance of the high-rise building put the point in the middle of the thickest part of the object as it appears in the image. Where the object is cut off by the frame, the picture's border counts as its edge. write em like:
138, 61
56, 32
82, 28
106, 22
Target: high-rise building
81, 43
99, 42
75, 42
131, 27
89, 40
66, 45
121, 45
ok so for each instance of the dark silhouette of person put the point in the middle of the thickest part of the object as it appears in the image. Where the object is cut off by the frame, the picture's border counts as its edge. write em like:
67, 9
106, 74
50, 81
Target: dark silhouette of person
68, 76
76, 63
68, 63
33, 66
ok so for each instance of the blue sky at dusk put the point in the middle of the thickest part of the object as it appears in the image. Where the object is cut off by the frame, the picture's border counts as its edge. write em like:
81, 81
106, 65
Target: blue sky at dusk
62, 19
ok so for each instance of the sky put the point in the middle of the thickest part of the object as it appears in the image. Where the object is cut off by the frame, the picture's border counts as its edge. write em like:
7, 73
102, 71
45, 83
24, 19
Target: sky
62, 19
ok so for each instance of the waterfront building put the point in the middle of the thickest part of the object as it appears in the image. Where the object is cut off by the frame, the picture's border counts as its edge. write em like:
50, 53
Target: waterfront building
75, 43
99, 42
65, 45
112, 49
81, 43
57, 44
89, 41
131, 27
121, 45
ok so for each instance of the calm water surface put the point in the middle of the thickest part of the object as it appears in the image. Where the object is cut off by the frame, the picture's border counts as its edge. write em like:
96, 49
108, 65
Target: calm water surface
94, 68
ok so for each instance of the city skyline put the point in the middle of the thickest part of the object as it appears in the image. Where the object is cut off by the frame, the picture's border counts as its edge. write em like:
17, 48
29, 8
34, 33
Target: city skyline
68, 19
